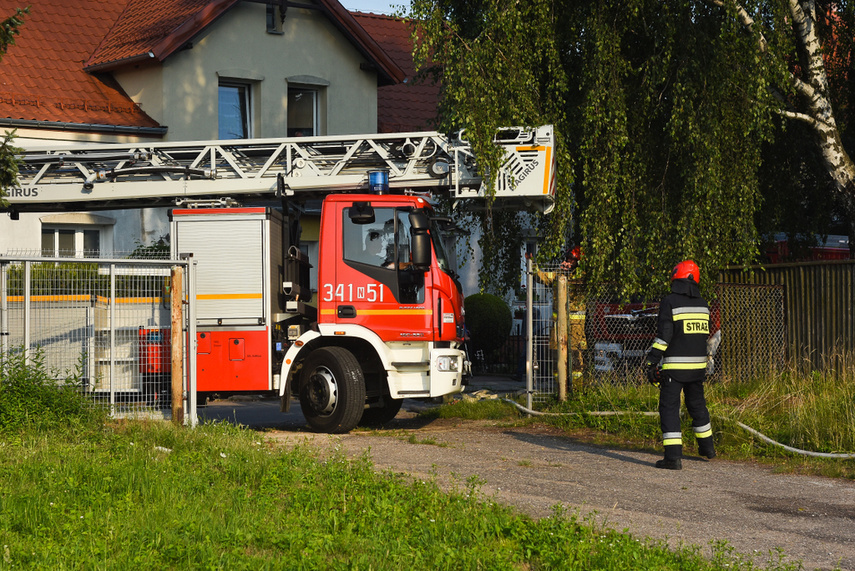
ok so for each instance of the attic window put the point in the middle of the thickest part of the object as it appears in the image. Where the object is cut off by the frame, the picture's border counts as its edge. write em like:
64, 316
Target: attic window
275, 19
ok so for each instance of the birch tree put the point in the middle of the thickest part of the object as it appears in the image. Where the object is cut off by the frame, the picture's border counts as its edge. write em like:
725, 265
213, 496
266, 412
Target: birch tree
806, 95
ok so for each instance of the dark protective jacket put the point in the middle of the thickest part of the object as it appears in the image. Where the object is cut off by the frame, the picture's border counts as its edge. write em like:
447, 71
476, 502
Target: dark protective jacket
682, 331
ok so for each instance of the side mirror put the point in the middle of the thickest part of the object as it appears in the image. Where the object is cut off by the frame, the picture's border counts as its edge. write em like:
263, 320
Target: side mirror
419, 225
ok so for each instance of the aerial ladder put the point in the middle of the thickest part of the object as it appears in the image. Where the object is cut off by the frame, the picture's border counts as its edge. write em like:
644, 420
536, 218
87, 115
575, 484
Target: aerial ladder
114, 176
384, 321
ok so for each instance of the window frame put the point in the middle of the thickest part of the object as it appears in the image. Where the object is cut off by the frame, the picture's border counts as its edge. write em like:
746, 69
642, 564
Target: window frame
293, 131
79, 240
244, 87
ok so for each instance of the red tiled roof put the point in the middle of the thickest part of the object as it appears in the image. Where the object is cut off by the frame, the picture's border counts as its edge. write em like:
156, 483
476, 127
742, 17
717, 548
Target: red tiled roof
156, 27
42, 76
407, 106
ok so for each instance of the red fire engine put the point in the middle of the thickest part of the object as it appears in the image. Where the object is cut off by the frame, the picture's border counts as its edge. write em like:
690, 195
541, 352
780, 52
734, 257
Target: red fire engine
384, 321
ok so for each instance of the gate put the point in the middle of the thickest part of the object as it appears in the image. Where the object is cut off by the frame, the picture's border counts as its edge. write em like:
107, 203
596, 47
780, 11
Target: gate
119, 327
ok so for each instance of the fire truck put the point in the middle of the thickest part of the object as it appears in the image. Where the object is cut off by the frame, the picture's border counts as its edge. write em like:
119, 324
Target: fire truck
385, 320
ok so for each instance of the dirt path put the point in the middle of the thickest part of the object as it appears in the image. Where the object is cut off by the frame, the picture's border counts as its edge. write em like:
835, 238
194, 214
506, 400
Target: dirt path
811, 519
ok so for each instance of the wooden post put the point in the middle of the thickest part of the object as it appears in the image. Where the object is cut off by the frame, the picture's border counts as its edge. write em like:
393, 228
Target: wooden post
561, 336
176, 299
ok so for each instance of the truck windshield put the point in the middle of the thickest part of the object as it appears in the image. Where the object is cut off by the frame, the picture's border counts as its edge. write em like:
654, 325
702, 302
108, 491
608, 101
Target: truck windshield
438, 238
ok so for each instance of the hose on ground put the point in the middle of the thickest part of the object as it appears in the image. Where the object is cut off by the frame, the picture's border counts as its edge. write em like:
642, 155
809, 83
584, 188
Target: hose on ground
745, 427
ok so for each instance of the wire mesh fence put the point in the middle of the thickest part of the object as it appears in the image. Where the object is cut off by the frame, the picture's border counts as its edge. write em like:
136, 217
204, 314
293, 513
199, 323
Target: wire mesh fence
106, 324
584, 334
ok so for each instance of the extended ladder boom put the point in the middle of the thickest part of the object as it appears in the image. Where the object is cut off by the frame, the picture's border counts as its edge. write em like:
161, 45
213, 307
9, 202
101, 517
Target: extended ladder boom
159, 174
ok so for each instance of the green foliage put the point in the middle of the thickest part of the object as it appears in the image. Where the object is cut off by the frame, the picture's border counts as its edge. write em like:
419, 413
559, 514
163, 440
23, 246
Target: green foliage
157, 250
489, 321
8, 164
31, 397
663, 110
803, 408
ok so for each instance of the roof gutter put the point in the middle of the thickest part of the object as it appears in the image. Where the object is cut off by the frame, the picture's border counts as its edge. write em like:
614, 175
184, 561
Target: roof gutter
88, 127
109, 65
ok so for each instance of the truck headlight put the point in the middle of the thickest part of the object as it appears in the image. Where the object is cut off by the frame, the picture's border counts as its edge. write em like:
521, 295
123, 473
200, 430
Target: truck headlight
447, 364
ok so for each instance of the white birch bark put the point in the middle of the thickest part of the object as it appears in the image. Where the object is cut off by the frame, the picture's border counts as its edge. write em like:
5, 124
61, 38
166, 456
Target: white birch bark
812, 88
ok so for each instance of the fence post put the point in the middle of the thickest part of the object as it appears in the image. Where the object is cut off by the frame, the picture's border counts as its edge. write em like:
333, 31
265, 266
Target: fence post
177, 327
4, 312
190, 337
529, 333
561, 335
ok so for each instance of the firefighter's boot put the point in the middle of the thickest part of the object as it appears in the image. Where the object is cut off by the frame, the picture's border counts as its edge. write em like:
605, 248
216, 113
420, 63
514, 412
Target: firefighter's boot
706, 447
673, 458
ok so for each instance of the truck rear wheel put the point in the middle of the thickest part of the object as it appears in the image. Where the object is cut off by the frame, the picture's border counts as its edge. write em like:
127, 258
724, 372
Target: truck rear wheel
332, 390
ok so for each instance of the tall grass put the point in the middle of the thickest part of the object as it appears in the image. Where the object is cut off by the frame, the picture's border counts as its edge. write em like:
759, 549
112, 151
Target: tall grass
31, 397
799, 406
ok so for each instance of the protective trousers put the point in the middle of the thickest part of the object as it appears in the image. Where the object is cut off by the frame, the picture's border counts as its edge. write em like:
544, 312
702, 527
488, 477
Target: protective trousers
669, 417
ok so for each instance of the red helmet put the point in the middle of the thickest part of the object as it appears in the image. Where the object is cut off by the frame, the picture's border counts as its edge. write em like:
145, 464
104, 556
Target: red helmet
686, 269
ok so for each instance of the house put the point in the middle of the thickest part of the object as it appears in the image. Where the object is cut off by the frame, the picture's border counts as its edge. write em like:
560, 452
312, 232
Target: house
172, 70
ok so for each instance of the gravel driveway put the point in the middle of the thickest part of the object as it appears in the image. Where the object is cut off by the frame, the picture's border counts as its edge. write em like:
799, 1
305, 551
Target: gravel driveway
811, 519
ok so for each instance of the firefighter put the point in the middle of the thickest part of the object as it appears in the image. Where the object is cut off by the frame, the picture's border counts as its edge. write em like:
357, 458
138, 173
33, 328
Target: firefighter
677, 361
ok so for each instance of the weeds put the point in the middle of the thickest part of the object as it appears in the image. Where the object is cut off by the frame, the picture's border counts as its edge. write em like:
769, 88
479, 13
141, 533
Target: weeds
32, 397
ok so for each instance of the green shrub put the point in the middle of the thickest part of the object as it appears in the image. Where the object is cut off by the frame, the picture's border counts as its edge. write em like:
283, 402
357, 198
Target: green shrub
489, 321
31, 397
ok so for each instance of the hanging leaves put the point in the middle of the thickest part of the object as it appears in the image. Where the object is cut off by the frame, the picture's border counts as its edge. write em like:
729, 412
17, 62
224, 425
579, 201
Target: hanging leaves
662, 110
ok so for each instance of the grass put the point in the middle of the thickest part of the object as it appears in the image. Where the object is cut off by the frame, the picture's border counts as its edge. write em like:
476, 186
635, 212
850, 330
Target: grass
137, 495
91, 494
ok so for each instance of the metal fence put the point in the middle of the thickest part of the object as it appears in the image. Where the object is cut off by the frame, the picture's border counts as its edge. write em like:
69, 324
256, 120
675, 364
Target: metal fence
584, 334
819, 302
105, 325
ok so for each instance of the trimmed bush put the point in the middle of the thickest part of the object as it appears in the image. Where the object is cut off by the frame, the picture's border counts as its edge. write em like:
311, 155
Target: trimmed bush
489, 321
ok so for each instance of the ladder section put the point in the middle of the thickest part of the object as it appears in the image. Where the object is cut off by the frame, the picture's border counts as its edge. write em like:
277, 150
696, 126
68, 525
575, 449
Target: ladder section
133, 175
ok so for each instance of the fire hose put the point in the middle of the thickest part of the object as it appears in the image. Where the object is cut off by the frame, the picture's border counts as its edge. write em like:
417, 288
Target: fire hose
745, 427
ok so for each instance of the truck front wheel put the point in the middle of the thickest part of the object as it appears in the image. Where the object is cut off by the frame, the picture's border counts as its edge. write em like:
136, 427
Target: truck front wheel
332, 390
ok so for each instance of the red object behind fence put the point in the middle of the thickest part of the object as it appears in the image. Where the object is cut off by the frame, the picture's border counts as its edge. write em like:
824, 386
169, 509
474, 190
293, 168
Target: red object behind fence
155, 351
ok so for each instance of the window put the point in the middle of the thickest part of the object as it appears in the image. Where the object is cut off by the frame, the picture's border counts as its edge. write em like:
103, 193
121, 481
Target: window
275, 18
71, 242
234, 111
372, 244
302, 112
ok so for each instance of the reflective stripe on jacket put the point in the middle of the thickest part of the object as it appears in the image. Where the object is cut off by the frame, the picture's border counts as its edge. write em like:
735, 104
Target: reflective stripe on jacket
682, 331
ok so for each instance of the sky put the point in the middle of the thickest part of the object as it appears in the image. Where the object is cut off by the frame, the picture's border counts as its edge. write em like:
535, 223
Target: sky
375, 6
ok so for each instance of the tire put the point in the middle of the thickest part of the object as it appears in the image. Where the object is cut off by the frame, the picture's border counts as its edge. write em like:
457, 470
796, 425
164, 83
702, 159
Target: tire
332, 390
382, 414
